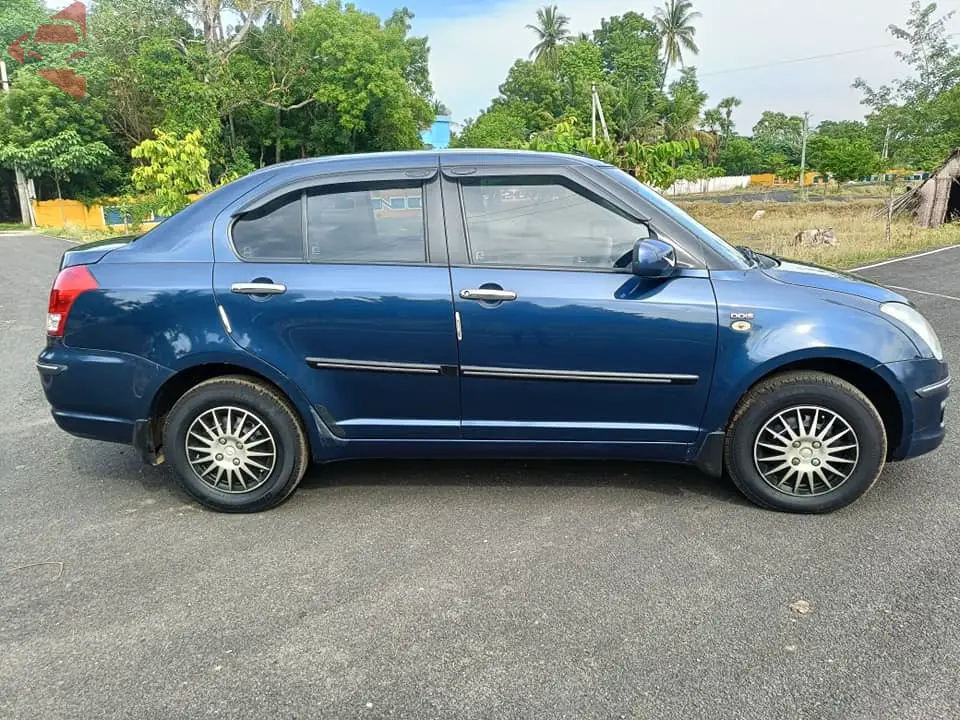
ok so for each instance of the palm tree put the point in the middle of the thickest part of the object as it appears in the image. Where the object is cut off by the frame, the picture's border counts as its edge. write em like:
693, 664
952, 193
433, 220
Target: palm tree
727, 106
552, 31
675, 23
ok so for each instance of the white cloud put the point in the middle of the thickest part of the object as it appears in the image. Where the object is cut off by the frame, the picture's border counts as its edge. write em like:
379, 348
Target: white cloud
470, 55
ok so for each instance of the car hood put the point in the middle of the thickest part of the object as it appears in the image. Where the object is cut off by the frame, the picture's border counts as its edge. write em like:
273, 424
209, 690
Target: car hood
817, 277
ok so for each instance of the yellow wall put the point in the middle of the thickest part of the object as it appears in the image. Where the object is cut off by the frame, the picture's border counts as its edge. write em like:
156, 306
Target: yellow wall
74, 212
769, 179
50, 213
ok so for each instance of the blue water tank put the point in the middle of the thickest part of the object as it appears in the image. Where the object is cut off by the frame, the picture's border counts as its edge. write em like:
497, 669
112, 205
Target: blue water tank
438, 135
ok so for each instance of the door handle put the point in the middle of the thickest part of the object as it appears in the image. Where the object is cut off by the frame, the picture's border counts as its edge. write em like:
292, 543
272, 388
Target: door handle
488, 295
258, 288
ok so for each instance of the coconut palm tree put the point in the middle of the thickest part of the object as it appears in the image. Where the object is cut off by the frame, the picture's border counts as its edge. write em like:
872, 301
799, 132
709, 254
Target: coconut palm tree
727, 106
675, 23
552, 31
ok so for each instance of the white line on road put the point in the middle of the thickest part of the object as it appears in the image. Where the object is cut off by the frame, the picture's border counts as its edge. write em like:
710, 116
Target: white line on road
908, 257
923, 292
32, 233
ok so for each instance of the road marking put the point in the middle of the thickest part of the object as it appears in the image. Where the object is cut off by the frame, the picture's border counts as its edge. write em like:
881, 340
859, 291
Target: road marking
908, 257
31, 233
923, 292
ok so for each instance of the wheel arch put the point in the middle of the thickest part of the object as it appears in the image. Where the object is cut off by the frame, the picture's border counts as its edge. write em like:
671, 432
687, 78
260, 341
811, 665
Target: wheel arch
874, 381
189, 376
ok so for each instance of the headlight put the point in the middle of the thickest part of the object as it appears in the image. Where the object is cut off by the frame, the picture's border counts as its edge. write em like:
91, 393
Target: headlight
916, 322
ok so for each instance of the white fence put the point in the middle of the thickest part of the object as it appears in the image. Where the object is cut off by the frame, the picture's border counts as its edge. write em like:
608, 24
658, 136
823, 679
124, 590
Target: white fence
709, 185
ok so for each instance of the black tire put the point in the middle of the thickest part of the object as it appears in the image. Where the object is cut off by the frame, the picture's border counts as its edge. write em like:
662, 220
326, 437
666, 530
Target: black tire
785, 392
289, 442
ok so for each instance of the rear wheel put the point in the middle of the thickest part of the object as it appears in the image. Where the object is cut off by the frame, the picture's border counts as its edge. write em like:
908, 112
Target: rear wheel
237, 445
805, 442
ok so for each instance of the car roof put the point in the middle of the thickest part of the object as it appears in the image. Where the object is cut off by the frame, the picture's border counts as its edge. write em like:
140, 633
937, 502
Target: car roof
418, 158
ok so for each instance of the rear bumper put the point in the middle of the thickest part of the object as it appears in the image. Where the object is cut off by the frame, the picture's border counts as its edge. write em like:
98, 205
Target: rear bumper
95, 427
102, 395
926, 387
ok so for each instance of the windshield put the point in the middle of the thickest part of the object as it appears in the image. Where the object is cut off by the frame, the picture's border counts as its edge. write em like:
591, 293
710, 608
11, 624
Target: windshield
678, 215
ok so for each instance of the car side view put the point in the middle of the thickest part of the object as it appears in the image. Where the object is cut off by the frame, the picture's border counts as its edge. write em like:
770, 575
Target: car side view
480, 304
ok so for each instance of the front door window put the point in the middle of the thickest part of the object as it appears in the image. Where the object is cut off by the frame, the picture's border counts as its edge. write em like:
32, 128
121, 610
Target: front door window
543, 222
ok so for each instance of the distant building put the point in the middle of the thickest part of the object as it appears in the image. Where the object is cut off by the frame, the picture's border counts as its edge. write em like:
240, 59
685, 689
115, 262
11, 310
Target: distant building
438, 135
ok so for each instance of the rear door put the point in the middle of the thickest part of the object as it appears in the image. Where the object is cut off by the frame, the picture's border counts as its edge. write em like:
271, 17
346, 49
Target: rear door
344, 287
558, 343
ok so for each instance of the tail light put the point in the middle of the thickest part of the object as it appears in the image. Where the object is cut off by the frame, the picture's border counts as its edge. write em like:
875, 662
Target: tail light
70, 283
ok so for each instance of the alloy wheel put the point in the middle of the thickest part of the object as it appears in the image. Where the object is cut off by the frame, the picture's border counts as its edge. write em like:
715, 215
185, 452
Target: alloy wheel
231, 449
806, 451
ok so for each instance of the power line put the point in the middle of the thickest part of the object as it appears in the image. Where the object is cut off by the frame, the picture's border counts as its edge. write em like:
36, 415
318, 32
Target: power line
805, 59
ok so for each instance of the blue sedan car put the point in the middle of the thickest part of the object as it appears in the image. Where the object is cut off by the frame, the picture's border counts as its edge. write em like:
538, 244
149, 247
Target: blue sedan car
480, 304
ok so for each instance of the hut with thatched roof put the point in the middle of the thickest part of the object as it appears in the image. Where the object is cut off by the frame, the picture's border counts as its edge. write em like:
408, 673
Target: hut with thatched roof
937, 200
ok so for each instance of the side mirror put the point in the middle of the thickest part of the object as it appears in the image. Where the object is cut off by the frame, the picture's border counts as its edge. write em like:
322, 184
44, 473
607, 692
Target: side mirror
653, 258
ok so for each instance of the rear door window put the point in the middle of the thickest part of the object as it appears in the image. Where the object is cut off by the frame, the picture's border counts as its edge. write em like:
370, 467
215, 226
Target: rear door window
374, 223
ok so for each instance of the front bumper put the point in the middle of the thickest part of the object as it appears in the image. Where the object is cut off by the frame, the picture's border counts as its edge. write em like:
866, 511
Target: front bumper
925, 387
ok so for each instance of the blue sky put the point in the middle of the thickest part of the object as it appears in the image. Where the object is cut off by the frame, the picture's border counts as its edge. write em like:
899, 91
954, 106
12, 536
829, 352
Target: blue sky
474, 42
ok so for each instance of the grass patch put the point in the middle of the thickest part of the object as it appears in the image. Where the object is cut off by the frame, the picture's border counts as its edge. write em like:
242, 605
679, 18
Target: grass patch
12, 226
815, 192
861, 233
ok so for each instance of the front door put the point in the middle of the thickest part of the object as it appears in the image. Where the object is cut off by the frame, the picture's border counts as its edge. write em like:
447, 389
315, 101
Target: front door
345, 289
558, 343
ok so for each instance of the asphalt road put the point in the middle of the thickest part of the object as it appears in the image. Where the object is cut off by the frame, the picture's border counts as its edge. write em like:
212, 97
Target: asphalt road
462, 589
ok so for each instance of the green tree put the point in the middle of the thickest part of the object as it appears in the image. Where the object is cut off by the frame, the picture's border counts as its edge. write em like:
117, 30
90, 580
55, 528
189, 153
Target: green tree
501, 126
359, 79
60, 156
175, 84
726, 108
652, 163
682, 107
174, 168
123, 34
634, 115
533, 93
630, 47
36, 110
921, 109
820, 148
740, 157
19, 17
779, 138
843, 130
845, 159
552, 30
580, 66
675, 23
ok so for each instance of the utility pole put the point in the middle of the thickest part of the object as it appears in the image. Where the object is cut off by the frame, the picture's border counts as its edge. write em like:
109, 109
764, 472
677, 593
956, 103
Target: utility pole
886, 143
598, 111
803, 154
23, 192
593, 111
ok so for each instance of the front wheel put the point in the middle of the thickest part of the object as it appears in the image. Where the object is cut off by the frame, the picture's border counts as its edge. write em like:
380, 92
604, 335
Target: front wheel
237, 444
805, 442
